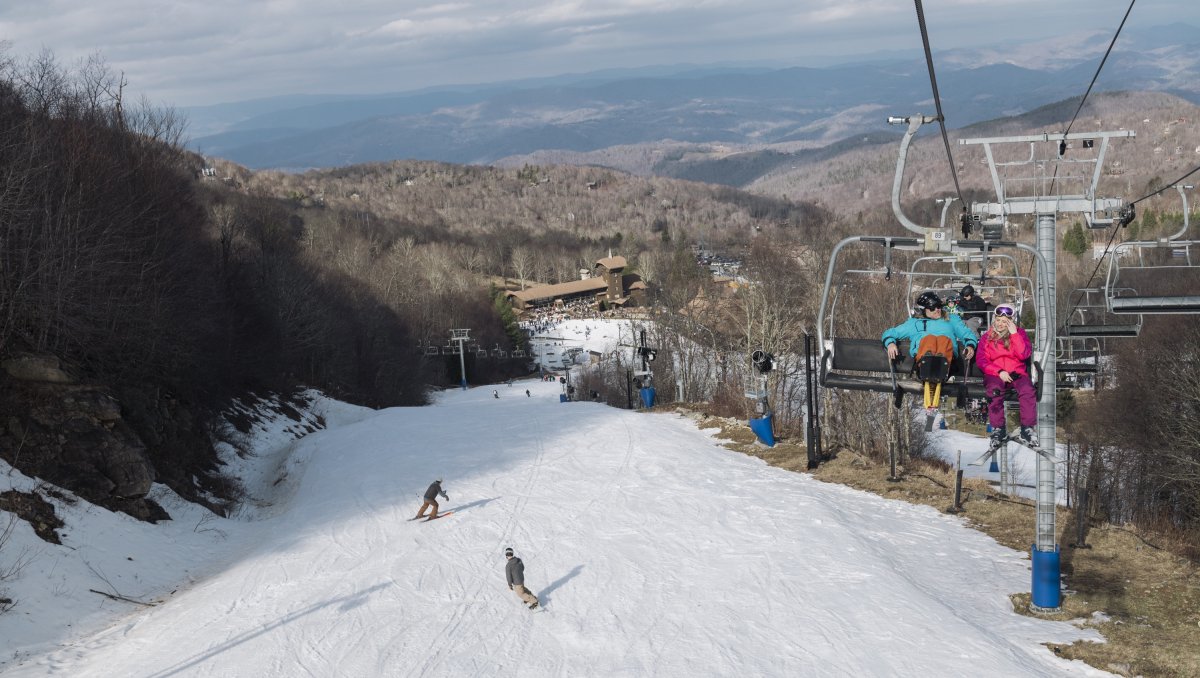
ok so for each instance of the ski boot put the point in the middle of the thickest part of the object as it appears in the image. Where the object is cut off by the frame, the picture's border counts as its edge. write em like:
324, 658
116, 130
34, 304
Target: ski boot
999, 435
1030, 437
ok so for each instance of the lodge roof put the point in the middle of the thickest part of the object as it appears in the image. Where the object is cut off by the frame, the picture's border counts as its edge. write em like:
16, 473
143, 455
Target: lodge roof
561, 289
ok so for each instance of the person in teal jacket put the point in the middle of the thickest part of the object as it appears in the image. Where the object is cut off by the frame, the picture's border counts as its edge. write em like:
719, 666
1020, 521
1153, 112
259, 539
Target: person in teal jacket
934, 322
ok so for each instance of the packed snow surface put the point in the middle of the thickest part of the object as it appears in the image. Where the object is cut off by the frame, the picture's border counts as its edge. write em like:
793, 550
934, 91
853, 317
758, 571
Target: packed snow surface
654, 550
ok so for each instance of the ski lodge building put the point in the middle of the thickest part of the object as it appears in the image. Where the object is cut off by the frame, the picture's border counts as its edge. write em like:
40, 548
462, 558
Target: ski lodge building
608, 287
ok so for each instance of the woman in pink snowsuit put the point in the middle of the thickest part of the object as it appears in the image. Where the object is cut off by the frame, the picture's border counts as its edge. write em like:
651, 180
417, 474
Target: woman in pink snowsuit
1003, 350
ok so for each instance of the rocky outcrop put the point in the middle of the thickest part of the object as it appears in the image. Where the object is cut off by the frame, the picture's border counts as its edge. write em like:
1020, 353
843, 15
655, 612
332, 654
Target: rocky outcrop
73, 435
29, 367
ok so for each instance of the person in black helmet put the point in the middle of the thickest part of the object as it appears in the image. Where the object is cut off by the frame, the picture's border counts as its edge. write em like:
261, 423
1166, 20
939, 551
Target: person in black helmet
933, 322
974, 309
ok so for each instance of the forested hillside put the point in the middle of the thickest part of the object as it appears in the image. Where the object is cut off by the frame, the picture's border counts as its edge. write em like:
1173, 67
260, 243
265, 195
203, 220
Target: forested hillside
143, 290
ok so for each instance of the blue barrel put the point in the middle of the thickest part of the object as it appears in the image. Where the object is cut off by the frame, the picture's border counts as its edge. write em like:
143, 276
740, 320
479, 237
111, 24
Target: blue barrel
648, 394
762, 428
1047, 574
562, 398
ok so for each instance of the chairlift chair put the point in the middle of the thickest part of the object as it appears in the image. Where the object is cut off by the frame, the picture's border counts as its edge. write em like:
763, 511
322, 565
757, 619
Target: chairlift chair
861, 364
1091, 317
1165, 272
1160, 269
1076, 360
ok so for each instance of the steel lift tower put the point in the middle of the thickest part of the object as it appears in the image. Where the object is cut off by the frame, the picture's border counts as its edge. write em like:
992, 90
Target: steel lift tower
1037, 186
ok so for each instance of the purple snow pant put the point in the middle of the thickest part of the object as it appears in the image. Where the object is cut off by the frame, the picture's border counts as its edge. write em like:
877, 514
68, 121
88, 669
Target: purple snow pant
996, 388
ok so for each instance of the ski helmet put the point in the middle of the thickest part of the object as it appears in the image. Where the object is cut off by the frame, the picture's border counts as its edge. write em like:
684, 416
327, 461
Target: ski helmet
968, 291
508, 552
929, 301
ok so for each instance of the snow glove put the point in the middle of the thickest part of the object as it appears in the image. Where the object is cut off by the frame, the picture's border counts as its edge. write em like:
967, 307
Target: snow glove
444, 495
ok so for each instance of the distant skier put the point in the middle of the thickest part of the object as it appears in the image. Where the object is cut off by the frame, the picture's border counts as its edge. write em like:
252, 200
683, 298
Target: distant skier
514, 571
526, 393
495, 393
431, 499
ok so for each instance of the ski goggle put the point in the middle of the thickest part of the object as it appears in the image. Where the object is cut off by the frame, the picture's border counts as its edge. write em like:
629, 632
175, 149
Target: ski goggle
1005, 311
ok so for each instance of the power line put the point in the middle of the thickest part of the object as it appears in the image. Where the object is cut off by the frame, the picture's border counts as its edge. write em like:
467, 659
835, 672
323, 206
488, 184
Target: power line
937, 100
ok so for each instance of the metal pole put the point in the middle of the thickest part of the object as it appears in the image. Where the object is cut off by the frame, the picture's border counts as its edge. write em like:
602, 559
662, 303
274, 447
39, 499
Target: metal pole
629, 389
462, 363
958, 478
810, 417
1046, 566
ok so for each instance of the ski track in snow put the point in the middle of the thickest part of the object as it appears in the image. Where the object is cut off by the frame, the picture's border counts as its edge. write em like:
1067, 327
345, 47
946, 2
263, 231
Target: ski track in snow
654, 551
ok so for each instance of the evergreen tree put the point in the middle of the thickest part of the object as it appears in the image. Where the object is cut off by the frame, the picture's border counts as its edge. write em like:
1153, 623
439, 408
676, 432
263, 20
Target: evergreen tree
1074, 240
508, 318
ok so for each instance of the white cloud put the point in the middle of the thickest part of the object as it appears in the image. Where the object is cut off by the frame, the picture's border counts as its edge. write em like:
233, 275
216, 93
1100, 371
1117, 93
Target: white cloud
194, 51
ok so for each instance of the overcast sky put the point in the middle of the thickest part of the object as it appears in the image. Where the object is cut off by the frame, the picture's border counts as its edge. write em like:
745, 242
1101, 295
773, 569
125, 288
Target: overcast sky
191, 52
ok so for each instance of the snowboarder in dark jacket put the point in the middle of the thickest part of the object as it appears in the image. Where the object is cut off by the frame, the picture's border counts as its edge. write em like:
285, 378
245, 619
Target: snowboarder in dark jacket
431, 499
514, 571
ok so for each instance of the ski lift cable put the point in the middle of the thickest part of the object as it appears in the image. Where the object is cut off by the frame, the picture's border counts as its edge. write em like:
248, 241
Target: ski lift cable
1098, 69
1099, 261
1062, 145
1170, 185
937, 101
1107, 247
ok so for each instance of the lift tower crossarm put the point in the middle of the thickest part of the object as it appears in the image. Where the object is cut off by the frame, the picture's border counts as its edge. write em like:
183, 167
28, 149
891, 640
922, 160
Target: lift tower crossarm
1041, 204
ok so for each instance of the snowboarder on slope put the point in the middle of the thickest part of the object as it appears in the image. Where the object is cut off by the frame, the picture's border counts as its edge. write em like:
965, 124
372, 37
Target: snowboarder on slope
514, 571
495, 393
431, 499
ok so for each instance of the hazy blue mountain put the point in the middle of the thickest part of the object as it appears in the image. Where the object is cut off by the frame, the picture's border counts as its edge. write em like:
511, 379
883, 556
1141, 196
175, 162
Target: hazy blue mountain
753, 107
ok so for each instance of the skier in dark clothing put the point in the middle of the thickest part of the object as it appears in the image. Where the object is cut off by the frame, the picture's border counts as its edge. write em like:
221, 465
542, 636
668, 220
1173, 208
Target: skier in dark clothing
974, 309
514, 571
431, 499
